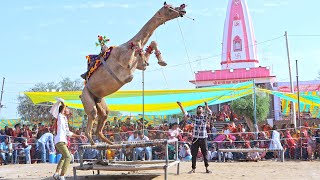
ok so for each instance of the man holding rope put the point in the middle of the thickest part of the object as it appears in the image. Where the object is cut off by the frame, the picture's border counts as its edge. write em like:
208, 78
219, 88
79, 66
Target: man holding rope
199, 134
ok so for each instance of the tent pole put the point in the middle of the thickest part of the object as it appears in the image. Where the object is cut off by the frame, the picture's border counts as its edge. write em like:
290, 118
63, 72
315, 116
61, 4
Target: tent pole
1, 105
254, 106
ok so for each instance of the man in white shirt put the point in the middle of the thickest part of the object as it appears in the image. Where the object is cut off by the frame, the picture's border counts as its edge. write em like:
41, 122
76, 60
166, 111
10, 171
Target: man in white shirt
133, 136
174, 131
44, 144
140, 150
129, 153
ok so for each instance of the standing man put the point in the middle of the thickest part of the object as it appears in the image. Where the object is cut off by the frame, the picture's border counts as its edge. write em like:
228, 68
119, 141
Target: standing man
199, 134
60, 140
45, 143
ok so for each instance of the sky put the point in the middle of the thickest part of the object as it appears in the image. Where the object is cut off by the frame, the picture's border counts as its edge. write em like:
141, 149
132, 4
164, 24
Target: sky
45, 41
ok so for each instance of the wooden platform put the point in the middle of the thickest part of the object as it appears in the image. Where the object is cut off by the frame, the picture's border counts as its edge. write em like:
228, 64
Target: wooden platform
222, 151
129, 166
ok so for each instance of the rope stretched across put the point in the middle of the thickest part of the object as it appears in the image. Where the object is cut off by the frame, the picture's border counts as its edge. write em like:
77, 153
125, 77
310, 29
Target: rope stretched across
126, 144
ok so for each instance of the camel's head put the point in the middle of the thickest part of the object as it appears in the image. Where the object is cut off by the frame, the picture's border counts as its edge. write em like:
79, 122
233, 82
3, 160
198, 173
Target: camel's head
168, 12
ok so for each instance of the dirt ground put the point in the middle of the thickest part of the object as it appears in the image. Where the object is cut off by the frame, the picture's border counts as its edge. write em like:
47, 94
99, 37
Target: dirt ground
230, 170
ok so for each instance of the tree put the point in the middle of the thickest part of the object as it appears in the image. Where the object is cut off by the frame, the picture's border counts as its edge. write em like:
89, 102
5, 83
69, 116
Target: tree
244, 107
38, 113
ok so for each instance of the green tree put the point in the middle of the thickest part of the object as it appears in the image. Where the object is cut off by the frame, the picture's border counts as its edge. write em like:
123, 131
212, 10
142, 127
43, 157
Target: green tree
40, 112
244, 107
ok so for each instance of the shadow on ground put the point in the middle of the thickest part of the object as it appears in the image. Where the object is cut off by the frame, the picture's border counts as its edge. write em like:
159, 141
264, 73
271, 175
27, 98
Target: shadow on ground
113, 177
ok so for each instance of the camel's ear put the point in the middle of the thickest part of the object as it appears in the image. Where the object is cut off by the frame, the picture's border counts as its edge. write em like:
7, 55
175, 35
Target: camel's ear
165, 3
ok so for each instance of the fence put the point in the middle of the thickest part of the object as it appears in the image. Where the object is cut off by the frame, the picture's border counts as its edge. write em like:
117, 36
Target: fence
302, 144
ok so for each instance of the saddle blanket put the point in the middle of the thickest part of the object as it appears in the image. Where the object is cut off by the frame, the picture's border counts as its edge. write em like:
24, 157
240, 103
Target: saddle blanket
96, 59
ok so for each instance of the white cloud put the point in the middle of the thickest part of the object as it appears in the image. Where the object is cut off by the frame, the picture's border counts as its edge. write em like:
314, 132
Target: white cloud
30, 7
97, 5
275, 3
256, 10
26, 37
53, 22
205, 12
270, 4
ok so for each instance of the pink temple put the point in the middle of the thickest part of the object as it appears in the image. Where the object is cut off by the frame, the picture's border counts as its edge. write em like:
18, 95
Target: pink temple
239, 60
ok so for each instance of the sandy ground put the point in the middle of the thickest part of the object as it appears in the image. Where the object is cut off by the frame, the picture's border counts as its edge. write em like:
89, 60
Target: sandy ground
230, 170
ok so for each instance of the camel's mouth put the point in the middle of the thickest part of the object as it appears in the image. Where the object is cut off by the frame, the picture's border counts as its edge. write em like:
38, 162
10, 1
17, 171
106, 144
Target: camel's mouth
182, 10
182, 13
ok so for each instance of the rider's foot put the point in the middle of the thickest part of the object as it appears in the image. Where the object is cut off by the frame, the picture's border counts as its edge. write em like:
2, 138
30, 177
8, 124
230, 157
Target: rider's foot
84, 76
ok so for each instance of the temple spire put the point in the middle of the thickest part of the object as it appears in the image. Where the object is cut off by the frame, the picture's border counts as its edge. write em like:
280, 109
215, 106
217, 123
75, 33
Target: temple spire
239, 44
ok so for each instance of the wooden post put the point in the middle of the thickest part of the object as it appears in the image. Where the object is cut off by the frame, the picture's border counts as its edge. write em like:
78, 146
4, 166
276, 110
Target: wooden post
282, 155
81, 157
219, 156
74, 173
177, 157
167, 161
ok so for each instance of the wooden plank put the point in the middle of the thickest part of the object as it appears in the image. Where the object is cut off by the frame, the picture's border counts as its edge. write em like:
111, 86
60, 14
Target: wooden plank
173, 163
243, 150
118, 168
140, 162
134, 144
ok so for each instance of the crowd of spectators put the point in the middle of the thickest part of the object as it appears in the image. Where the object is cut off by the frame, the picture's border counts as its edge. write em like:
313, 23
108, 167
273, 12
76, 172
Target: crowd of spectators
35, 143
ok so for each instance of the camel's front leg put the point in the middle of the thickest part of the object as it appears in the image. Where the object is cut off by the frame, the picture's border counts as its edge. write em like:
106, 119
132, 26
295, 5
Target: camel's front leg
154, 46
90, 109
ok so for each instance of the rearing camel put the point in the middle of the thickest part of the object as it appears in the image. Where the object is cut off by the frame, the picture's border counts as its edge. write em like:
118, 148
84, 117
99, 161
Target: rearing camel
118, 69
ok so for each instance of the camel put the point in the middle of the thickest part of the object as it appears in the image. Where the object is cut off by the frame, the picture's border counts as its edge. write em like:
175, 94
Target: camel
118, 69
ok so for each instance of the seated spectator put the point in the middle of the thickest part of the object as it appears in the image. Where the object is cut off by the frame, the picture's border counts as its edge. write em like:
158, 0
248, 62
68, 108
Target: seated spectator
74, 146
212, 153
290, 144
214, 131
254, 156
23, 148
158, 152
175, 132
141, 150
6, 150
185, 153
91, 154
311, 146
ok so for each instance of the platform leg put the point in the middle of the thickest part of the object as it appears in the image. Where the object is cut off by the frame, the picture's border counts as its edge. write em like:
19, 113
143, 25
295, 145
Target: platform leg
98, 172
75, 173
178, 168
81, 157
166, 173
282, 155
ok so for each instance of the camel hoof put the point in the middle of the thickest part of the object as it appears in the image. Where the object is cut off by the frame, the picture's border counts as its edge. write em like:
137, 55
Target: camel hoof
129, 79
162, 63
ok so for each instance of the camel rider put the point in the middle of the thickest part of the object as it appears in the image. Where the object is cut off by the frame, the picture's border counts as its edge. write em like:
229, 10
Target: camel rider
102, 42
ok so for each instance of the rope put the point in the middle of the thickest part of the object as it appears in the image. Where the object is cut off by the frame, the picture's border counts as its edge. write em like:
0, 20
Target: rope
162, 69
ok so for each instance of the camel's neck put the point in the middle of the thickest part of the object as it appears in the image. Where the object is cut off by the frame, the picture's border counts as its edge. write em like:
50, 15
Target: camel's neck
147, 30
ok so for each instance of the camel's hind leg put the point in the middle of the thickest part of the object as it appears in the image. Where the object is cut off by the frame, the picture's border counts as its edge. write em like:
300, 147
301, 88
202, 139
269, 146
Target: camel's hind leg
103, 113
91, 110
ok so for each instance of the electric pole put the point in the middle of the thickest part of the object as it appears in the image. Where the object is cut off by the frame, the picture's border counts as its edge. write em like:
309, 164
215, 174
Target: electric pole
293, 107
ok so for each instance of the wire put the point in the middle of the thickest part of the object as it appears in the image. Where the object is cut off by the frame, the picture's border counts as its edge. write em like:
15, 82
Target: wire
307, 35
213, 56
